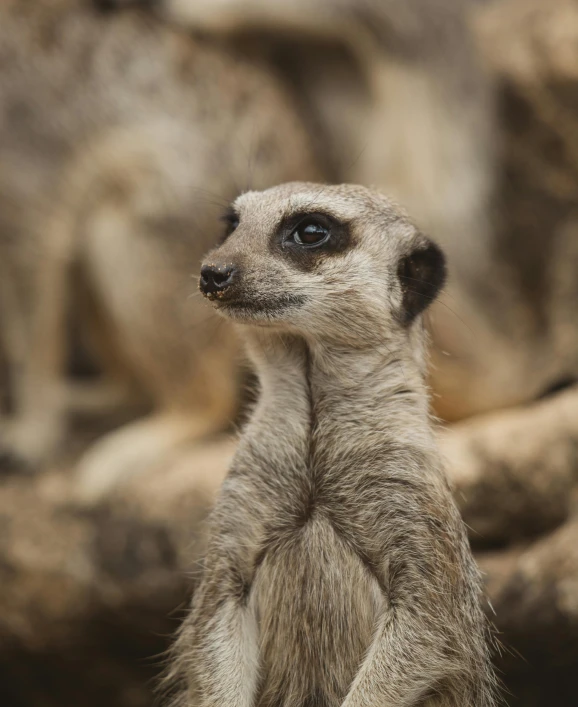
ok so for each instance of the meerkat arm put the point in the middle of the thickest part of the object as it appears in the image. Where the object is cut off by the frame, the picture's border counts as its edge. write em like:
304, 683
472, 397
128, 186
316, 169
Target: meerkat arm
219, 637
226, 651
429, 639
394, 673
407, 662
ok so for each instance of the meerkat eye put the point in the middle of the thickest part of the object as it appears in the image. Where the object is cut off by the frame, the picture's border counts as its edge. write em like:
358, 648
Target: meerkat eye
310, 233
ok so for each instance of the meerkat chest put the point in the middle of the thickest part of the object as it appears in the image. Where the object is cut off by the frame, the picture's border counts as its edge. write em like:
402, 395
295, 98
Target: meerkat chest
317, 606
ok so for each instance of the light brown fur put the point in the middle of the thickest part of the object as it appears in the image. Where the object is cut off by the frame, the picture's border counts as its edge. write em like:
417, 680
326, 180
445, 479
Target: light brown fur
338, 570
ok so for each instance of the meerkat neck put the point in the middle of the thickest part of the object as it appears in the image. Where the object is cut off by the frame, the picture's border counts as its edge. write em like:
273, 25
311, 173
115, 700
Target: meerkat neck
315, 398
379, 390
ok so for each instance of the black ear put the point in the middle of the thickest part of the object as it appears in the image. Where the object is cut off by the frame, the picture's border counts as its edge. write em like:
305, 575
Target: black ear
422, 274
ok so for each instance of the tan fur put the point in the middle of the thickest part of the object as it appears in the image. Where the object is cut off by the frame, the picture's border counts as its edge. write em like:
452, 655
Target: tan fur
338, 570
120, 140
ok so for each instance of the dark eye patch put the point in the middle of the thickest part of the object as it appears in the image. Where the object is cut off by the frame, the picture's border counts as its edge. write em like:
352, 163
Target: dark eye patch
231, 220
308, 237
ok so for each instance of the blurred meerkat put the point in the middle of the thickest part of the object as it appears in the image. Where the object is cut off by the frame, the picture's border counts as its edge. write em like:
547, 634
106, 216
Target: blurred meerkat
420, 125
119, 138
338, 570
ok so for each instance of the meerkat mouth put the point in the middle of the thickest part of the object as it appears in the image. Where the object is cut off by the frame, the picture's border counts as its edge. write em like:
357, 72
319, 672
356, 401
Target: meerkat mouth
263, 308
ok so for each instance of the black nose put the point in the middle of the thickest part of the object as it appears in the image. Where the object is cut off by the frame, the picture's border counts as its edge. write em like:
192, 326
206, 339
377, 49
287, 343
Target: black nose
215, 278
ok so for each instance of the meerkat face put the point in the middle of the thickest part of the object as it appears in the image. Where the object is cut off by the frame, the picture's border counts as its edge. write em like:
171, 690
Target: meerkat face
337, 261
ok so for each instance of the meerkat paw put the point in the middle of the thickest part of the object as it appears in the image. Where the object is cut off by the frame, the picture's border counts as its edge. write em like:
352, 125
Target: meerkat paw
132, 450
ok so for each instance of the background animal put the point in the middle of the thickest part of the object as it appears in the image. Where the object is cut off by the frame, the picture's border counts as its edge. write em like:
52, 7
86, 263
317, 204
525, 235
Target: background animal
119, 140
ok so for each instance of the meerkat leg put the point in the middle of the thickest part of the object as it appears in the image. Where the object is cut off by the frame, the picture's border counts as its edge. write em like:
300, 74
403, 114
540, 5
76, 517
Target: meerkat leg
404, 668
226, 654
113, 387
200, 409
35, 345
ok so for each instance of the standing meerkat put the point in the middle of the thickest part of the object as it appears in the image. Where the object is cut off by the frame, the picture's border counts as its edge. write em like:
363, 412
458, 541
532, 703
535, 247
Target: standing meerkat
338, 570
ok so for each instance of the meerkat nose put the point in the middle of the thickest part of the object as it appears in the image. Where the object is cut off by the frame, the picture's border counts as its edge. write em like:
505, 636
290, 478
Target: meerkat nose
216, 278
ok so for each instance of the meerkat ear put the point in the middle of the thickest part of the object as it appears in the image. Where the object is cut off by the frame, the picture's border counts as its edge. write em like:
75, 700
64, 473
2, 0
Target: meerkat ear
422, 274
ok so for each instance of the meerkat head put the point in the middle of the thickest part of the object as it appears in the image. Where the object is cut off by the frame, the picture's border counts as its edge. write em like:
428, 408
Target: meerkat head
341, 262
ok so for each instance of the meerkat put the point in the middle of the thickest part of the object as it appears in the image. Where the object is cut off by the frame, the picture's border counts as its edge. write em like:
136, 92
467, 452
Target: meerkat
338, 571
119, 139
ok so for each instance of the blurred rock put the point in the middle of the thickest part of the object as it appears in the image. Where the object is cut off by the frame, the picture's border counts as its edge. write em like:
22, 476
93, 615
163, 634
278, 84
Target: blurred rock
89, 597
534, 594
514, 471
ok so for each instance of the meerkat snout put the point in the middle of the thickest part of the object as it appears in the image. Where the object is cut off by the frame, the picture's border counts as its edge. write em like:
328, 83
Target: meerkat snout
335, 261
215, 279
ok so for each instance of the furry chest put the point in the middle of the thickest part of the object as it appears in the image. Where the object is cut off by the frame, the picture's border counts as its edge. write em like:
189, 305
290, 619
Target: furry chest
316, 606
